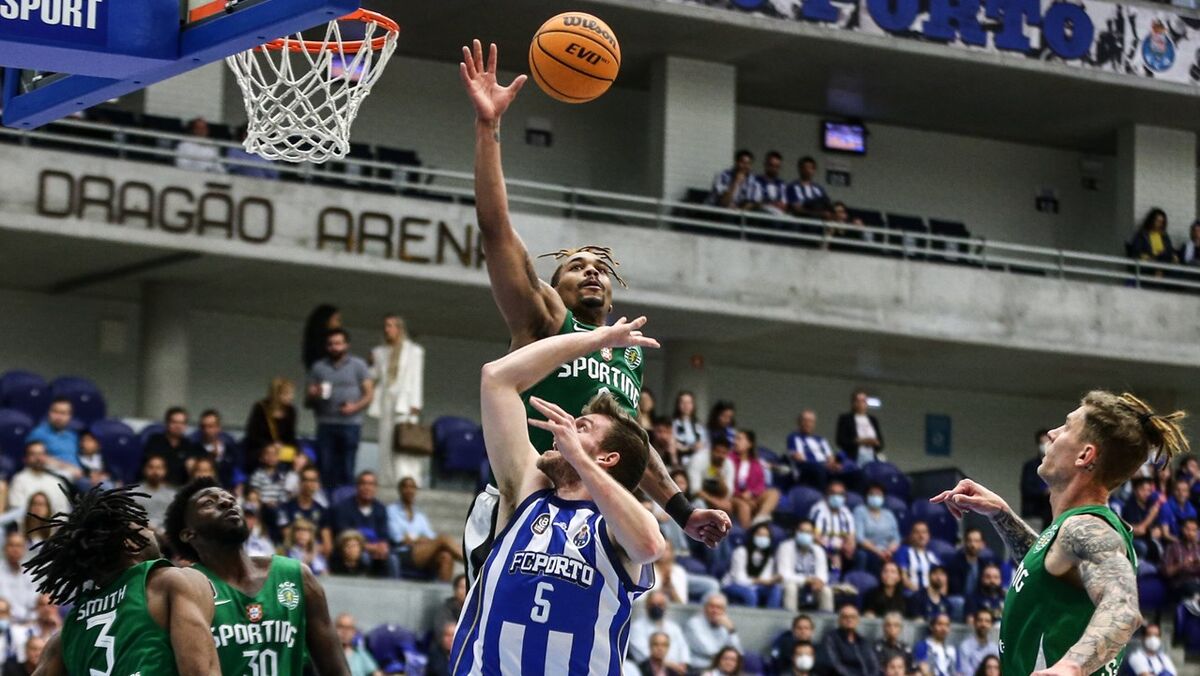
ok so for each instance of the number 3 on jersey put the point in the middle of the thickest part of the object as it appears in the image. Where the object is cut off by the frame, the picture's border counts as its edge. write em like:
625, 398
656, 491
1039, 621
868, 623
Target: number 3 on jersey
104, 640
541, 604
262, 662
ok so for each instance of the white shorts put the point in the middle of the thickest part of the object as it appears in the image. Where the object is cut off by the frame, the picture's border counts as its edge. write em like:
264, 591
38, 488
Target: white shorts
480, 531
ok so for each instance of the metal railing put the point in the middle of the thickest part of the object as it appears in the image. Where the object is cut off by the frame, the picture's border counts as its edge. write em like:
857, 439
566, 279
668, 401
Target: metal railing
640, 211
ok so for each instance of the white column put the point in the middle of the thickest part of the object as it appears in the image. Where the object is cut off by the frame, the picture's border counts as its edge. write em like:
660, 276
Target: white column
196, 93
164, 363
693, 110
1156, 167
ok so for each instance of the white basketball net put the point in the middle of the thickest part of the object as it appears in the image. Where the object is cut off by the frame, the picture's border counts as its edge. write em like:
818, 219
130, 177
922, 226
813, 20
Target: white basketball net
302, 96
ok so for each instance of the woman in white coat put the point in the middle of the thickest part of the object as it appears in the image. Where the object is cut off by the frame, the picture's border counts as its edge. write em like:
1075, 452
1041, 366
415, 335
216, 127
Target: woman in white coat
398, 367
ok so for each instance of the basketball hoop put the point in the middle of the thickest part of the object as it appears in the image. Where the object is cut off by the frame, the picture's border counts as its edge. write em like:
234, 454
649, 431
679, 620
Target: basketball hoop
302, 95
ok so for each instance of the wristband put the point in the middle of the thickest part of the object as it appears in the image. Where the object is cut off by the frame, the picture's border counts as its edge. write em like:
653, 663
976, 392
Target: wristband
679, 509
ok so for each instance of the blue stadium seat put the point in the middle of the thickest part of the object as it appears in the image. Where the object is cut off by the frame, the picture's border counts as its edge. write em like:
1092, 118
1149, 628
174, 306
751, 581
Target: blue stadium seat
942, 525
149, 431
393, 647
897, 506
889, 476
752, 664
341, 494
853, 500
26, 392
462, 450
446, 425
861, 580
120, 448
14, 427
1152, 593
802, 498
86, 400
944, 550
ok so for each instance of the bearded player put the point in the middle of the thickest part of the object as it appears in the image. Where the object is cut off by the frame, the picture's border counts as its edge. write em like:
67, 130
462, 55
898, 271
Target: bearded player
578, 298
270, 613
574, 547
139, 614
1073, 603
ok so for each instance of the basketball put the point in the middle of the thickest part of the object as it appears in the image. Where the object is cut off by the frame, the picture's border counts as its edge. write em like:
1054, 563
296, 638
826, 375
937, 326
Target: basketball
574, 57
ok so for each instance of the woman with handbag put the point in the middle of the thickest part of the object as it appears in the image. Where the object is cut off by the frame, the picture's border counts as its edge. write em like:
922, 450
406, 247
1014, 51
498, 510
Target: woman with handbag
272, 421
398, 368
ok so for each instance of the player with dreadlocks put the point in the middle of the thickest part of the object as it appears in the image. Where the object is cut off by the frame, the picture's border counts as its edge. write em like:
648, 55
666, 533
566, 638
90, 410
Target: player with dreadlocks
134, 612
578, 298
271, 614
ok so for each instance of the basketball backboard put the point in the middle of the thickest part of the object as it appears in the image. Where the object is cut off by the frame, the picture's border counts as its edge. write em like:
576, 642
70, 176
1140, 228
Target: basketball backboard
62, 56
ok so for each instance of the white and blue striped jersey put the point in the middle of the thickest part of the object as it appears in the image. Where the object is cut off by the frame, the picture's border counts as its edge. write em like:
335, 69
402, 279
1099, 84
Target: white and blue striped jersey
552, 597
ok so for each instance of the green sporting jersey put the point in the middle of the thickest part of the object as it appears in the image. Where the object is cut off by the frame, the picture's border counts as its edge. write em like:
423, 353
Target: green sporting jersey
261, 635
1045, 615
110, 631
573, 385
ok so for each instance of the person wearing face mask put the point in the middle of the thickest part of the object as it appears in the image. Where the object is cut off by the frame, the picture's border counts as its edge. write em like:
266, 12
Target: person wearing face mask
877, 530
804, 659
784, 645
804, 569
1035, 493
833, 526
1151, 659
753, 578
655, 621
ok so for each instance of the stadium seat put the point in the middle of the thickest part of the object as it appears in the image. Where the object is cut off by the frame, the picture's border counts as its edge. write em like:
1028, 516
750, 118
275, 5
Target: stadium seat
393, 647
953, 250
889, 476
1152, 593
341, 494
447, 424
752, 664
861, 580
26, 392
14, 427
853, 500
908, 229
120, 448
941, 524
149, 431
896, 506
463, 450
802, 498
944, 550
87, 402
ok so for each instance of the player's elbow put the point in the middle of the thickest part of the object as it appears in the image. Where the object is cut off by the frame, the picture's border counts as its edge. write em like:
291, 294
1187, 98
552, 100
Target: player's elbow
650, 548
489, 375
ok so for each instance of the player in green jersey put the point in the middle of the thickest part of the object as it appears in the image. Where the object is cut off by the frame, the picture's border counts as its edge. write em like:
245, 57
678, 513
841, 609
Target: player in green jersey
578, 298
139, 614
271, 614
1073, 602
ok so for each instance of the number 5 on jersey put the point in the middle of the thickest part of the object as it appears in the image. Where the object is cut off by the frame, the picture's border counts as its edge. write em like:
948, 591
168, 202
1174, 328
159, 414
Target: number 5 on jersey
541, 604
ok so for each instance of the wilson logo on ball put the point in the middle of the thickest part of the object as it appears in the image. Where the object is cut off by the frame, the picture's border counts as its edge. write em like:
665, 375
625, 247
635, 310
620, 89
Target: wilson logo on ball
574, 57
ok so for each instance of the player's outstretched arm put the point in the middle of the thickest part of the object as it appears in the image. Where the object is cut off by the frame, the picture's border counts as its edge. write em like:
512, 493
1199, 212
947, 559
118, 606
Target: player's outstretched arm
51, 663
323, 644
189, 619
709, 526
1110, 580
531, 309
969, 496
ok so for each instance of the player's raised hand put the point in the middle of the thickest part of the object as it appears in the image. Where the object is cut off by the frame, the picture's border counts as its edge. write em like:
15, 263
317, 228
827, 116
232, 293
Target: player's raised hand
627, 333
559, 423
479, 79
969, 496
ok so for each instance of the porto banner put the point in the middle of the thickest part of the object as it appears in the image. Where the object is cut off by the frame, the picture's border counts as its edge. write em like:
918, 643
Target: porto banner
1133, 40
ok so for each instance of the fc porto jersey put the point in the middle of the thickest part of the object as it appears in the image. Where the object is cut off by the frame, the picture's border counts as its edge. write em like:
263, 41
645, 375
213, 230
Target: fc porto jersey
552, 598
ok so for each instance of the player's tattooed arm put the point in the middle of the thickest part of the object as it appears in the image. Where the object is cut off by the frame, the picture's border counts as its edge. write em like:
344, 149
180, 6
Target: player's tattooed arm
1016, 533
1110, 581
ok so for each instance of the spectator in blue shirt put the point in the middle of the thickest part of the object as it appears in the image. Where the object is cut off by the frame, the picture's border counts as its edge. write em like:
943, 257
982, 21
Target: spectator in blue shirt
419, 547
931, 601
811, 456
1143, 511
772, 191
306, 505
61, 442
934, 654
361, 512
989, 595
806, 197
975, 648
736, 188
1179, 508
915, 559
877, 530
966, 566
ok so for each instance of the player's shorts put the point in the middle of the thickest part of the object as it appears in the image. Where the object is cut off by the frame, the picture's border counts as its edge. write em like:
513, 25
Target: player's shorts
480, 531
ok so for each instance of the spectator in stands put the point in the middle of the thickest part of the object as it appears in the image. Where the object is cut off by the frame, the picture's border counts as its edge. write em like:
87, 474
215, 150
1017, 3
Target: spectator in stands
804, 569
1179, 507
365, 515
6, 630
806, 197
714, 477
804, 659
351, 558
259, 543
159, 492
672, 533
753, 578
323, 319
840, 216
662, 440
46, 623
967, 564
785, 644
915, 559
340, 388
218, 446
656, 662
934, 654
204, 468
197, 155
37, 513
736, 188
420, 548
1143, 512
34, 647
690, 435
990, 593
671, 579
895, 667
655, 621
722, 421
771, 189
810, 455
1035, 493
15, 586
439, 652
302, 462
728, 662
889, 646
930, 601
976, 647
300, 543
359, 660
858, 433
270, 479
272, 421
1150, 659
248, 164
452, 605
710, 631
989, 667
1189, 253
1151, 242
1181, 565
877, 529
91, 462
398, 370
646, 411
833, 526
888, 597
173, 446
848, 653
753, 498
61, 442
306, 506
36, 478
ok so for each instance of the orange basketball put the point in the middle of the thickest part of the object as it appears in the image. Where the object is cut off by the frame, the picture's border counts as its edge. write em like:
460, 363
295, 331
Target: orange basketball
574, 57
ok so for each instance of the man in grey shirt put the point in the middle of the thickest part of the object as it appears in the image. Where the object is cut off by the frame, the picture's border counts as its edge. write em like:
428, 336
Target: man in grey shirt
339, 389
